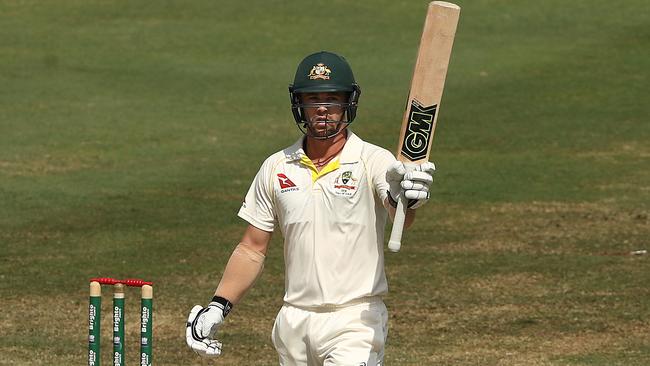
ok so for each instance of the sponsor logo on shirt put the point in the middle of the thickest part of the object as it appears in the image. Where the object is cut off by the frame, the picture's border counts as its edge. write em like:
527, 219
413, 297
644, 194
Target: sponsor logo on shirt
286, 184
345, 184
345, 178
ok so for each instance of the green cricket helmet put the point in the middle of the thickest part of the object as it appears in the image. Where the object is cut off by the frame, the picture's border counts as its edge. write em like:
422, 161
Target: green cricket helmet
324, 72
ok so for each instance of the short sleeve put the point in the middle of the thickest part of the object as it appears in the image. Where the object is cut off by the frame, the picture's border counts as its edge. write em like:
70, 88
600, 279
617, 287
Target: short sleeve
257, 208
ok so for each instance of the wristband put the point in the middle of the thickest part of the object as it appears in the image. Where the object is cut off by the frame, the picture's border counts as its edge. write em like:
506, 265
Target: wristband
393, 203
227, 305
391, 200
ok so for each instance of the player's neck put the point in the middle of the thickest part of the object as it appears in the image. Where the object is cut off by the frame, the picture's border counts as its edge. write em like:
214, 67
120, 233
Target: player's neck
320, 150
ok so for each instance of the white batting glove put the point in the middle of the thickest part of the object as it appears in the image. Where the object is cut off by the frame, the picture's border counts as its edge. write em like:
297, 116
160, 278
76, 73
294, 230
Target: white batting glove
202, 324
411, 180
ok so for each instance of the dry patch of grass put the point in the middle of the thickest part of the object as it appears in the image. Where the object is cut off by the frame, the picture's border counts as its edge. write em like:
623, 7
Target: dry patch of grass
626, 149
44, 165
497, 285
524, 350
547, 228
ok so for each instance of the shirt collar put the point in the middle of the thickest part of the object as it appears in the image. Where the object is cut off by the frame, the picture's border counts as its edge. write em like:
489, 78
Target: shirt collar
351, 151
295, 151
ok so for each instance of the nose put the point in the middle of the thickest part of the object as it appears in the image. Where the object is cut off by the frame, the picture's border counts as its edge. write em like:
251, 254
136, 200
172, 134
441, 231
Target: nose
322, 109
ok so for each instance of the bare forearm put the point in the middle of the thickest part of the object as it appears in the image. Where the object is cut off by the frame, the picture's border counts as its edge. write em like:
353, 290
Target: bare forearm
244, 266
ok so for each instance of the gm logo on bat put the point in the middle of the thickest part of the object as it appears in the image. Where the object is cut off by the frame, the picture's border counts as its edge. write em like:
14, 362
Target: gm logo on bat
418, 131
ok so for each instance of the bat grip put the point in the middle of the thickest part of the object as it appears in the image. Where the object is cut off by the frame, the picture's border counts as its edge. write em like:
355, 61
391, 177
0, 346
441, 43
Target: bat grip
395, 241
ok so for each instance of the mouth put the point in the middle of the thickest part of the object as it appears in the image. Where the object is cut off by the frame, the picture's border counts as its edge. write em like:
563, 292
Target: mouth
323, 128
324, 125
322, 122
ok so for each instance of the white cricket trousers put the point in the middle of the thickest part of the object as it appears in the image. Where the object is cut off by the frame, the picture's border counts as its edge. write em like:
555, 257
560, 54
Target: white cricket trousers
352, 335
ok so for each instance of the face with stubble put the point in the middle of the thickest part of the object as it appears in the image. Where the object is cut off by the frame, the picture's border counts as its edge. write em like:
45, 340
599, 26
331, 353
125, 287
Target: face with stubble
324, 112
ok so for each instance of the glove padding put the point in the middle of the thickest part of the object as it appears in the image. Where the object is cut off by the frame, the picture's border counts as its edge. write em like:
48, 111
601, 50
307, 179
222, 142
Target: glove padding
413, 180
202, 324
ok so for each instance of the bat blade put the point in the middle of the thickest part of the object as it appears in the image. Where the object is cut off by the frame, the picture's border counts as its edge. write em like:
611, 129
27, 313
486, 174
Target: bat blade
423, 105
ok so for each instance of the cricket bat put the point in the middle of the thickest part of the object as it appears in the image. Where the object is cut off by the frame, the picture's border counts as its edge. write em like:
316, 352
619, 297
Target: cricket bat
423, 103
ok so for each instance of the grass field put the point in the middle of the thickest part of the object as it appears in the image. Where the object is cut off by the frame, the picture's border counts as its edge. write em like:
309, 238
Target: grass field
130, 131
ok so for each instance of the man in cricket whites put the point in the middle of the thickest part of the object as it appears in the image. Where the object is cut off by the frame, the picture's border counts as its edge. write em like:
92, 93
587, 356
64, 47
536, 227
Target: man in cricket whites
330, 194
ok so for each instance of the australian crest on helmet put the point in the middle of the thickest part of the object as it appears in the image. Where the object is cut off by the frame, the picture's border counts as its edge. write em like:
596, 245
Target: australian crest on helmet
320, 71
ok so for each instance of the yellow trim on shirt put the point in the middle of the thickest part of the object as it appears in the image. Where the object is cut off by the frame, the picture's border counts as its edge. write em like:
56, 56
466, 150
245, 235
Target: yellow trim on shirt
315, 174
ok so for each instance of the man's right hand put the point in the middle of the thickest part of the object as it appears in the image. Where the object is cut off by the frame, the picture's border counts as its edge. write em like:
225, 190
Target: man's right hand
202, 324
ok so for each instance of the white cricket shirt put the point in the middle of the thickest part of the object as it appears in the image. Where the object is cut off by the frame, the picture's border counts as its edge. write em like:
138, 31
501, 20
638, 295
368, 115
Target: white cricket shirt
332, 221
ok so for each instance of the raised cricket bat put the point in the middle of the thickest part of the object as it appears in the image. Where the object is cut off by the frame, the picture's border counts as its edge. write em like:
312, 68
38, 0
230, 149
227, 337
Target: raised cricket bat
423, 103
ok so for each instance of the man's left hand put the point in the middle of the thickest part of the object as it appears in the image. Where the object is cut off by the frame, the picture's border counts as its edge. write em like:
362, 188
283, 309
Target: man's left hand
202, 324
412, 181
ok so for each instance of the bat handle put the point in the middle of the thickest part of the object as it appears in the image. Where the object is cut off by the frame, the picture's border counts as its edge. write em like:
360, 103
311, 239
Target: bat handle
395, 241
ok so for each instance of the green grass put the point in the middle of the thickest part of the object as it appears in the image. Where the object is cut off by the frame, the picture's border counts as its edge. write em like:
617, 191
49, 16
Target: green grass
130, 131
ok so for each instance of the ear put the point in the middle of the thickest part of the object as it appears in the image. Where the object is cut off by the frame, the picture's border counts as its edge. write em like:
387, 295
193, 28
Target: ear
295, 102
353, 102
